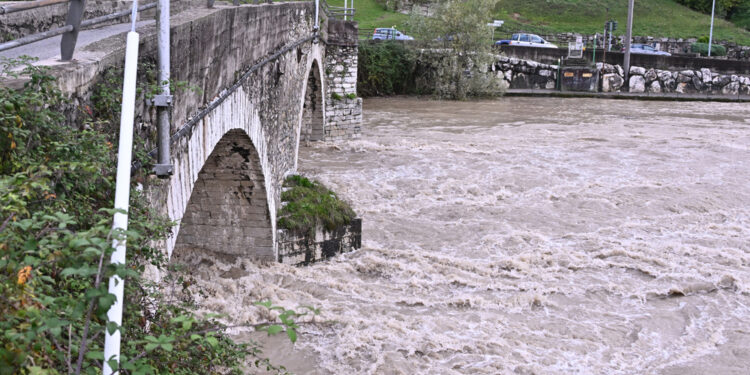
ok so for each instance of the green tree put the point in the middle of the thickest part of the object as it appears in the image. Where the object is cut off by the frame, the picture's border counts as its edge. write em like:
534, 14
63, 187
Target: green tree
461, 26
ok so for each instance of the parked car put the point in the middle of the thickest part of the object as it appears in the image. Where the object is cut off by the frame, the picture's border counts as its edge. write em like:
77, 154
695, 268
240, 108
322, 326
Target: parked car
646, 50
528, 40
389, 33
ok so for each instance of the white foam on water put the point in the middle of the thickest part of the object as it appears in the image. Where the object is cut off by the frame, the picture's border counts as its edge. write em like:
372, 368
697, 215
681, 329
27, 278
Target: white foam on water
524, 236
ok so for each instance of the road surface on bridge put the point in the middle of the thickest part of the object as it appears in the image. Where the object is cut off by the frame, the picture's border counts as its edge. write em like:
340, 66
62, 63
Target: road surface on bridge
50, 48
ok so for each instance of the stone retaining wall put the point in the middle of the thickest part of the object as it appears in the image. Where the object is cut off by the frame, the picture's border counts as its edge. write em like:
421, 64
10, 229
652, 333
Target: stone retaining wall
686, 81
526, 74
302, 249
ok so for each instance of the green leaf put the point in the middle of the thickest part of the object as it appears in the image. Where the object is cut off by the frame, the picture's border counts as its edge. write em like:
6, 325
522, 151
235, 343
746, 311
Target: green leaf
212, 341
274, 329
292, 335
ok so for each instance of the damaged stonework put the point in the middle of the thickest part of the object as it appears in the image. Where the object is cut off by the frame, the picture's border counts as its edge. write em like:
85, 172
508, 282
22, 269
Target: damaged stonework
302, 249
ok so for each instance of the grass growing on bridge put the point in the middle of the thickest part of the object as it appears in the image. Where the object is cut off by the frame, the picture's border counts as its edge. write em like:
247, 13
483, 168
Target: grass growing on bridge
309, 204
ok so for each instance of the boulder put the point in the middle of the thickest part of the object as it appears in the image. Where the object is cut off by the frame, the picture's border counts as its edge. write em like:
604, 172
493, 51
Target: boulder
731, 89
681, 88
668, 85
637, 70
508, 75
520, 81
611, 82
654, 87
706, 75
650, 75
545, 73
550, 85
637, 84
664, 75
688, 73
721, 81
697, 83
734, 78
682, 78
620, 71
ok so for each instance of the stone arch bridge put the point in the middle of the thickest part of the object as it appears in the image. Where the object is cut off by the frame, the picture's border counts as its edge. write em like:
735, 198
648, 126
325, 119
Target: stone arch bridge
263, 82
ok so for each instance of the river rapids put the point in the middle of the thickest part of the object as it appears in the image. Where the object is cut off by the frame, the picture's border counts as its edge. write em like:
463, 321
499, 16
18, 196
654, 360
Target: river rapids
522, 236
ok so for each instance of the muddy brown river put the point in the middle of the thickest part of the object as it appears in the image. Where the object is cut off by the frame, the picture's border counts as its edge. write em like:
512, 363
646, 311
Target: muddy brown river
525, 236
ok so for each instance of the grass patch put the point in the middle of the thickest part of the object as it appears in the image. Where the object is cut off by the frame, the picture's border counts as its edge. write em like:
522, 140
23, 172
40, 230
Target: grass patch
581, 16
588, 17
370, 15
310, 204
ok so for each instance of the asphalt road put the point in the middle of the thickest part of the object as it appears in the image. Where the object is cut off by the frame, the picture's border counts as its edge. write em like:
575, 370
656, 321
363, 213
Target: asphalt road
50, 48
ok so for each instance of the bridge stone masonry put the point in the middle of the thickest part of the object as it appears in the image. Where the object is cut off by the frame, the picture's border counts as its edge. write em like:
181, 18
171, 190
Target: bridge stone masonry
262, 82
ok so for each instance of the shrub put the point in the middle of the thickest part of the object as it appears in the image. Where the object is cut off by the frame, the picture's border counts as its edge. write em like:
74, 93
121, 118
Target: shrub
385, 68
310, 204
702, 48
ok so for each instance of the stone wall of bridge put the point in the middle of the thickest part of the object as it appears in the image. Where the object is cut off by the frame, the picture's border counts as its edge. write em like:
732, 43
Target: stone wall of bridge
257, 86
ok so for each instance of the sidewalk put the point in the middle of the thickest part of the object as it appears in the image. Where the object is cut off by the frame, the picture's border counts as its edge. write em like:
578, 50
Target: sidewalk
628, 95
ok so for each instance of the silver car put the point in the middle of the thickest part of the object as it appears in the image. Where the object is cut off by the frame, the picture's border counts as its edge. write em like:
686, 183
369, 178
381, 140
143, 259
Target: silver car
646, 50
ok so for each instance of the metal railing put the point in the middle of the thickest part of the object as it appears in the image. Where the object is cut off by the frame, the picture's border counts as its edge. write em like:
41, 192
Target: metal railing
74, 23
344, 13
11, 8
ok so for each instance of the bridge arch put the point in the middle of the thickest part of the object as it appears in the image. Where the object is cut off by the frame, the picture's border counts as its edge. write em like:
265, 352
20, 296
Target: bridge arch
228, 209
311, 125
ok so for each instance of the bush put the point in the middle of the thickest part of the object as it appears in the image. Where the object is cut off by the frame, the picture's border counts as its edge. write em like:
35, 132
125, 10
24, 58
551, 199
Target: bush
310, 204
702, 48
385, 68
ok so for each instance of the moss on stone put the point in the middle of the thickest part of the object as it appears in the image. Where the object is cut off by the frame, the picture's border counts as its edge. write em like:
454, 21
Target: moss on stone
308, 204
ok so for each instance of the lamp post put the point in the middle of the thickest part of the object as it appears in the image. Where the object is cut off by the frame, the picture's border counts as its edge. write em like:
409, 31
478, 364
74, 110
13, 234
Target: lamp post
628, 37
711, 32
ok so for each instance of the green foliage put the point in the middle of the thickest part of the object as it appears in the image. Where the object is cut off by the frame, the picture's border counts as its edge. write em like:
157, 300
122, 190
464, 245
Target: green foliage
336, 96
702, 48
56, 185
703, 39
309, 204
461, 26
385, 68
351, 95
722, 6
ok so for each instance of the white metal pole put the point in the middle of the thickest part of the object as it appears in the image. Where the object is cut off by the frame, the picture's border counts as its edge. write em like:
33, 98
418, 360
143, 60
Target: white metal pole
711, 32
628, 38
122, 197
317, 16
345, 8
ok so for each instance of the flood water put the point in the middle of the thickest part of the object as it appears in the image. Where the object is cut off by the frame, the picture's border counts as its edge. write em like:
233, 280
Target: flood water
525, 236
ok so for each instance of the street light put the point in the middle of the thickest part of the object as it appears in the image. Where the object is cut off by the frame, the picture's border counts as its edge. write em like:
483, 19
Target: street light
711, 33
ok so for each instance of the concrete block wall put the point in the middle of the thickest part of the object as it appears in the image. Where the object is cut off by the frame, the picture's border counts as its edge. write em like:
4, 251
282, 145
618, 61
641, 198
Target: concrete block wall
302, 249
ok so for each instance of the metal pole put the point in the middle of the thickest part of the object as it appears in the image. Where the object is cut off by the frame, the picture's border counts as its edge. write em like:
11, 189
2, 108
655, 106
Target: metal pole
711, 33
317, 16
628, 37
69, 39
122, 196
163, 101
344, 10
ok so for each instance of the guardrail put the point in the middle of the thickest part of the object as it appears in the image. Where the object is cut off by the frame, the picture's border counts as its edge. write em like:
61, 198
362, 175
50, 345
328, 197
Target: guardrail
344, 13
5, 9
